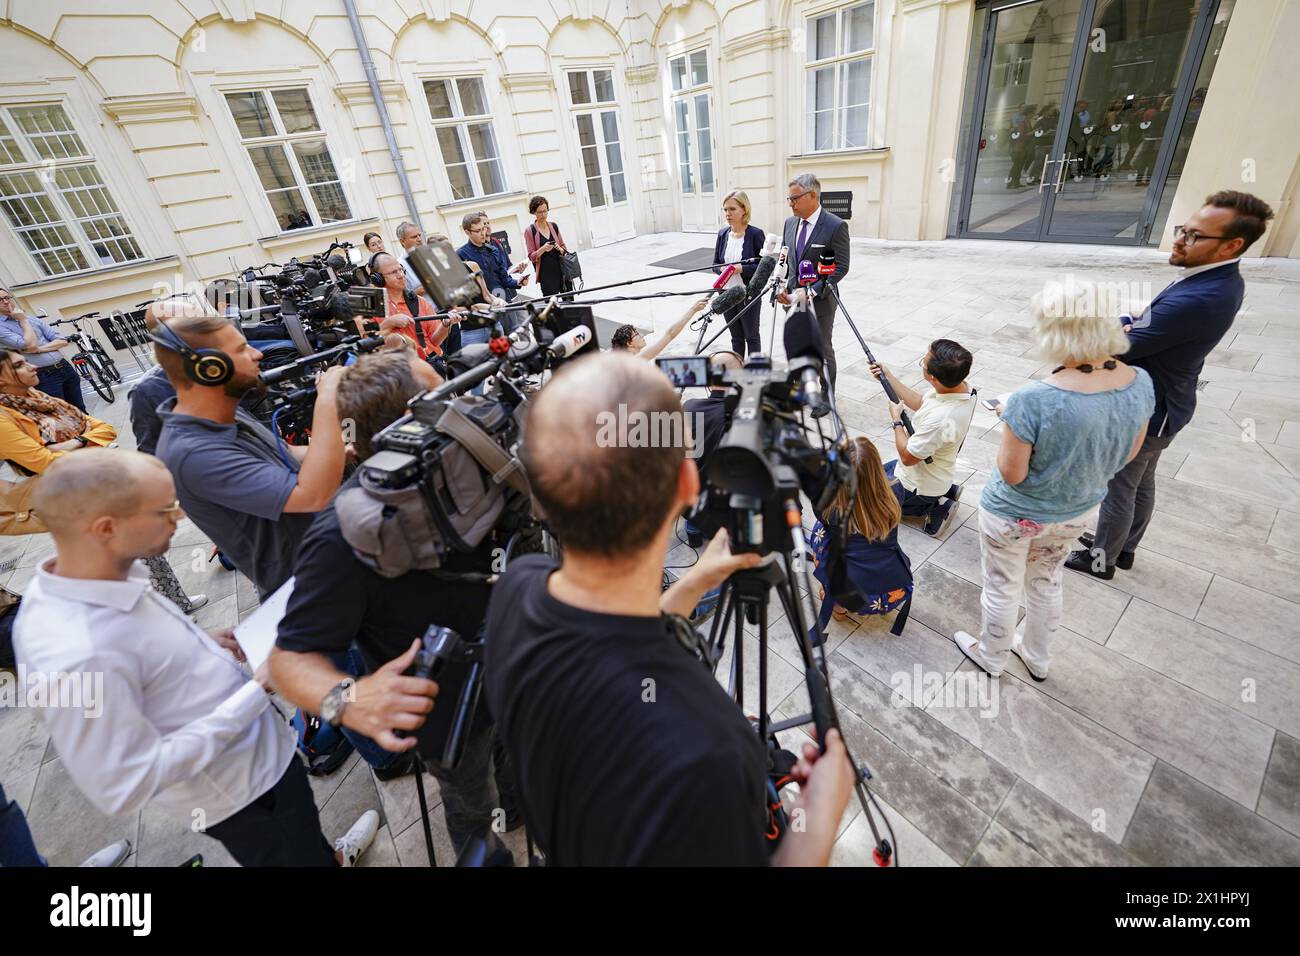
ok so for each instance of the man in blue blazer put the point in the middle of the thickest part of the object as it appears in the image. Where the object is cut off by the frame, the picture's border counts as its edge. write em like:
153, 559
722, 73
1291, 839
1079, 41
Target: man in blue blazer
1170, 339
809, 232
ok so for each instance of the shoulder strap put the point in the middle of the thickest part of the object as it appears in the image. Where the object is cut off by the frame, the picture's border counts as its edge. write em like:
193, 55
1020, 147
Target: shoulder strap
501, 465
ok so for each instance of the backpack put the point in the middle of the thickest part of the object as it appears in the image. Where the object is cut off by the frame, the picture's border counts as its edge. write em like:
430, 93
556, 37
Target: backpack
468, 482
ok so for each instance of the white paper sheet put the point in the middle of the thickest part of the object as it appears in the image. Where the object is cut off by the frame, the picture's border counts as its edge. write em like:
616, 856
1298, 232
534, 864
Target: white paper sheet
257, 634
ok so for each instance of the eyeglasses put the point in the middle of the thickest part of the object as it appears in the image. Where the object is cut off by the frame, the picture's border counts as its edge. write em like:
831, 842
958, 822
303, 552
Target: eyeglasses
172, 511
1190, 238
794, 199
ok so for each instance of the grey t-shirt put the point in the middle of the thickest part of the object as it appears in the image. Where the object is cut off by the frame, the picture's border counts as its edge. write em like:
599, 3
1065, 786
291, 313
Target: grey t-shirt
232, 480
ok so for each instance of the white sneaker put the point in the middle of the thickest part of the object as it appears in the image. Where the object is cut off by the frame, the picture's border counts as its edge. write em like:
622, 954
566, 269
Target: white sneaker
357, 840
114, 854
969, 645
1017, 648
197, 601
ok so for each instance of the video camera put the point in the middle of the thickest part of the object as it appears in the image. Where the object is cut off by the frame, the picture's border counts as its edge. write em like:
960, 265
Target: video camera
766, 457
310, 301
290, 388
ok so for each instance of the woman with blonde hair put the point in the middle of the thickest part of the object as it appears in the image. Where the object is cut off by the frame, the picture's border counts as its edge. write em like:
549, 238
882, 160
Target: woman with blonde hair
739, 240
1062, 440
856, 546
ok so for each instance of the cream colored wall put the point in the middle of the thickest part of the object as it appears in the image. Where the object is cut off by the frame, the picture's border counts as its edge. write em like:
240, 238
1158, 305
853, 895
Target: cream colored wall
143, 79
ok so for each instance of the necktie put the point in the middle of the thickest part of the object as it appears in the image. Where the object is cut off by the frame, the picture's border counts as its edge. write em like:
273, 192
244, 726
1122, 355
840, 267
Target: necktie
799, 242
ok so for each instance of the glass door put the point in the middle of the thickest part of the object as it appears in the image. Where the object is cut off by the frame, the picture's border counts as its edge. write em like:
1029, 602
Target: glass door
693, 133
595, 118
1078, 103
1027, 66
1120, 118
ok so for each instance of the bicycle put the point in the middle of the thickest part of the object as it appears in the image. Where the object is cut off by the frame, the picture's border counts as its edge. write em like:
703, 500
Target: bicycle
90, 360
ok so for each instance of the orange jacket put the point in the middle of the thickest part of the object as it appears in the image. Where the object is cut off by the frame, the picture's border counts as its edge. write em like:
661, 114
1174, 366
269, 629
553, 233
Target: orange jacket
21, 442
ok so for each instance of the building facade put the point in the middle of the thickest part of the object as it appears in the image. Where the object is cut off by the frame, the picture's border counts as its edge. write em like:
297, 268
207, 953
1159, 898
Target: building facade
163, 143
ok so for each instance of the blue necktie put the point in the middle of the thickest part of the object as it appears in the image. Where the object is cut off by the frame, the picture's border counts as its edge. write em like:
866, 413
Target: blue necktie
799, 242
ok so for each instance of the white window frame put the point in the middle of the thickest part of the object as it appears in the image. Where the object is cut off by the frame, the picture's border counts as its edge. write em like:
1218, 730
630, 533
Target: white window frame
286, 141
46, 172
839, 63
687, 94
461, 123
594, 108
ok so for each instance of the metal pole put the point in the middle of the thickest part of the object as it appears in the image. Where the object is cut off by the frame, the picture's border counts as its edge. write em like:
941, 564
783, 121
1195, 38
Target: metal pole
359, 35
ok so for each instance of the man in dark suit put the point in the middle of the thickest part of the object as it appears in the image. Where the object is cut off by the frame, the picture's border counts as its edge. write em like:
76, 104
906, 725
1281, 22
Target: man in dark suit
1170, 339
808, 233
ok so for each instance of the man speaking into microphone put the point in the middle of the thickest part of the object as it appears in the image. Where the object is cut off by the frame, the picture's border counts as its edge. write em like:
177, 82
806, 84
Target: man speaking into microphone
809, 232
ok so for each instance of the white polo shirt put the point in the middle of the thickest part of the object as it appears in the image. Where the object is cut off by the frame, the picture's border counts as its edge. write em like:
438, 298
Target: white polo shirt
179, 723
940, 427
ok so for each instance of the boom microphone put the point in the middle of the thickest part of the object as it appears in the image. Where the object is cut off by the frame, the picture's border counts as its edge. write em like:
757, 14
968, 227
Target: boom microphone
762, 274
725, 301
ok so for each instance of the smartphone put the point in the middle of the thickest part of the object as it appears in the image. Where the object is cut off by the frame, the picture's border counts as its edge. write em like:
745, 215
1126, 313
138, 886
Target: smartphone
992, 404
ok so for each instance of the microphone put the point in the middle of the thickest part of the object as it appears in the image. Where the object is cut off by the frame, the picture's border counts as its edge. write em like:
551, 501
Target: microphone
826, 263
806, 352
723, 279
769, 247
762, 275
725, 301
807, 272
781, 273
564, 345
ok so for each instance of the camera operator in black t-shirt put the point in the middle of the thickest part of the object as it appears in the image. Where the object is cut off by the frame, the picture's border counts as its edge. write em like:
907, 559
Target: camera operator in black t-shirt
626, 749
337, 600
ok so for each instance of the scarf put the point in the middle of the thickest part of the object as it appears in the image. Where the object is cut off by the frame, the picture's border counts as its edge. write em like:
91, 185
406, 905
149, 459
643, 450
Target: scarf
57, 420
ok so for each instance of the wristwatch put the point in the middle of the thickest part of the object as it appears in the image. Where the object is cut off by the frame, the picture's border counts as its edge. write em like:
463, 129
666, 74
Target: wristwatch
83, 439
897, 424
331, 708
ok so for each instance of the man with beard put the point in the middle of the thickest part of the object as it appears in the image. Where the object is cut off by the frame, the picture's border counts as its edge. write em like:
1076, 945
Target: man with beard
254, 497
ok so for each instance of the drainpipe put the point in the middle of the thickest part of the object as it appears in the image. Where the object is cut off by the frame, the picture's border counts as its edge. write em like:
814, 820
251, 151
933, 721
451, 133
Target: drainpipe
359, 35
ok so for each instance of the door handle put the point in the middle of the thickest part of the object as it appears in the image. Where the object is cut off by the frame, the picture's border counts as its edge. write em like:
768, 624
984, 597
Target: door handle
1060, 177
1042, 176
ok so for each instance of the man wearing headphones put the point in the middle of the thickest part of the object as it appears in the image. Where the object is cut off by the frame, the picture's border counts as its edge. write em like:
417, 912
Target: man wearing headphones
254, 497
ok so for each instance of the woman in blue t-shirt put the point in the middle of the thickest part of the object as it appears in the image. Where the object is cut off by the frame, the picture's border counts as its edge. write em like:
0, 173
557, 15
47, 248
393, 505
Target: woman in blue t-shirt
1063, 438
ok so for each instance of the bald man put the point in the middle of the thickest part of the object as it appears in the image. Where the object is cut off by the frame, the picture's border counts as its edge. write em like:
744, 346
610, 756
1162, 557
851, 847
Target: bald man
626, 749
167, 715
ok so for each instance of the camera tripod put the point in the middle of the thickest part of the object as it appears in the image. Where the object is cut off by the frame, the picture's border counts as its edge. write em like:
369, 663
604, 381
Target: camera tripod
746, 597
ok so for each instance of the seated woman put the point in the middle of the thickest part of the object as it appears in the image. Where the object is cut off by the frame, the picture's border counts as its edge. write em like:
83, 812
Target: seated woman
874, 575
36, 429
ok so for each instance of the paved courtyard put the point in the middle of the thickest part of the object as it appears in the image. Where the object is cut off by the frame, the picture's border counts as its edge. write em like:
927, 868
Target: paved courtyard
1169, 731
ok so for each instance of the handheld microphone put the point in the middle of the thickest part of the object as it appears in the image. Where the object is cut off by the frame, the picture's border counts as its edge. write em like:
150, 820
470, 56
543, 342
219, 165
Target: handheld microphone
826, 263
807, 273
806, 352
564, 345
723, 279
769, 246
782, 272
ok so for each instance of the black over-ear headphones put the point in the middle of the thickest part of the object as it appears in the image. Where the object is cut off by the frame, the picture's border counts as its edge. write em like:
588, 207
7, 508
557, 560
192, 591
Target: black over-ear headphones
202, 366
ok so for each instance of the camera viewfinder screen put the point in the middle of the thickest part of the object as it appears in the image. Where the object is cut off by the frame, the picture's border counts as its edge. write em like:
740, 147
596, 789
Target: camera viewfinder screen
685, 371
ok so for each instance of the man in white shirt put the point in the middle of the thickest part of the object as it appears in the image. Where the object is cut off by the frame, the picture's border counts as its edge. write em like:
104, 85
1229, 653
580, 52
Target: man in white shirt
941, 417
165, 714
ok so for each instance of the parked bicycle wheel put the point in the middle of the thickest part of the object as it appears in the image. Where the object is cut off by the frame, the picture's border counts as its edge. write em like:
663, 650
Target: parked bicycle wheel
107, 367
92, 375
